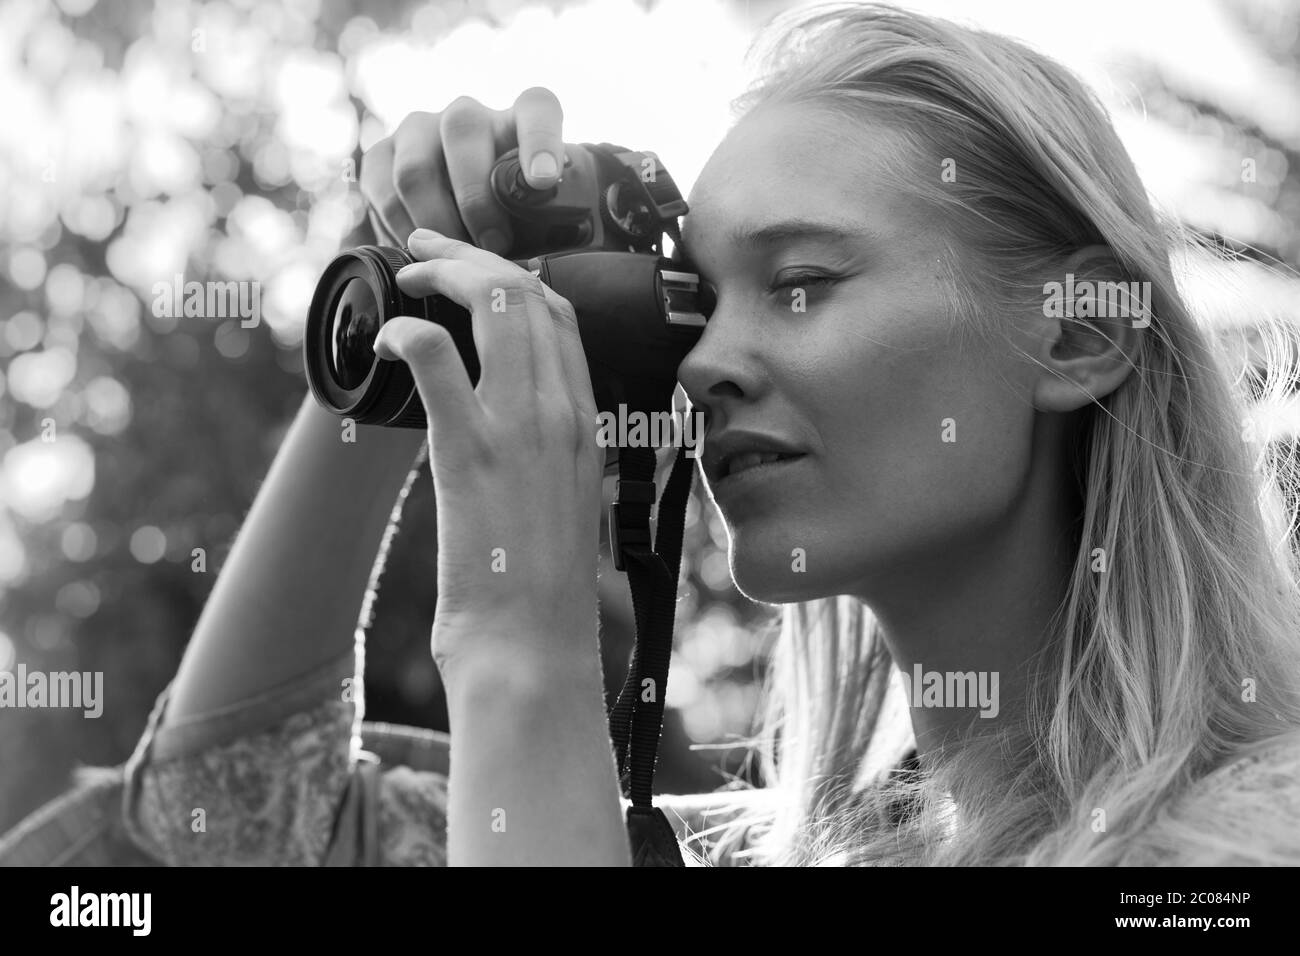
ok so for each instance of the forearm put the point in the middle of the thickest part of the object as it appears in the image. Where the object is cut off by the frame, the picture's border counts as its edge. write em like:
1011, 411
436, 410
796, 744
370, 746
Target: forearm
289, 596
533, 781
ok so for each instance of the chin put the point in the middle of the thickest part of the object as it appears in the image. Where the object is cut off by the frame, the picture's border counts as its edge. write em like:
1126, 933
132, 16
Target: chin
769, 578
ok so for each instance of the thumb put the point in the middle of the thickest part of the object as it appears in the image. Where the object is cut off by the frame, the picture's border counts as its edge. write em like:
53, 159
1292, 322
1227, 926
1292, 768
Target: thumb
430, 353
539, 119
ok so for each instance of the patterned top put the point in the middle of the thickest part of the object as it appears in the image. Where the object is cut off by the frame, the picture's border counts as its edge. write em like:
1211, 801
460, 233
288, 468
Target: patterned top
282, 779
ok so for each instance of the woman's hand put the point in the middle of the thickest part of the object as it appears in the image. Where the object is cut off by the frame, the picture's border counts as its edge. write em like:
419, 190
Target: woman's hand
433, 171
517, 476
516, 467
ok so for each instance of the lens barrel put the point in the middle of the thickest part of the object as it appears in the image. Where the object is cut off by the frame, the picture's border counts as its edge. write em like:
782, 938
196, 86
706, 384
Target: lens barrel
356, 295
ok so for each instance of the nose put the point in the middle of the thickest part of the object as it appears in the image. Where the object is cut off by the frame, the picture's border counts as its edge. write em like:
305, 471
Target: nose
723, 369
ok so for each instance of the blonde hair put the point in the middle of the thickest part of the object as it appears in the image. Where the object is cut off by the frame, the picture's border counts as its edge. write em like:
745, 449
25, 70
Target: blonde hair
1144, 690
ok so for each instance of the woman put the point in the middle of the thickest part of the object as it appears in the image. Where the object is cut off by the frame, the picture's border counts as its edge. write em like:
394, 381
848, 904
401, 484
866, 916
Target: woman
1034, 524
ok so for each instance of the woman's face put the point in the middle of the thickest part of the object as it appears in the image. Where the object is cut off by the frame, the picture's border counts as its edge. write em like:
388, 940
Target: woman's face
914, 449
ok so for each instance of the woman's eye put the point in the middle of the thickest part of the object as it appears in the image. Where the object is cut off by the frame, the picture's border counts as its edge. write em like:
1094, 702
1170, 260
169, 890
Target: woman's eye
806, 280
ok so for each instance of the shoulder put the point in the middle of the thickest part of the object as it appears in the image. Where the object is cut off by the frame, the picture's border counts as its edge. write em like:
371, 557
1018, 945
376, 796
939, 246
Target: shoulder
1246, 812
1268, 769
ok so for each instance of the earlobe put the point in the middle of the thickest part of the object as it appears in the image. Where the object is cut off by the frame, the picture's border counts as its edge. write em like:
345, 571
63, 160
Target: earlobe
1093, 318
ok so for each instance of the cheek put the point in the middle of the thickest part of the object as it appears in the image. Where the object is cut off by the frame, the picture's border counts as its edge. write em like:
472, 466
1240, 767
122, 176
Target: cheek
922, 444
931, 444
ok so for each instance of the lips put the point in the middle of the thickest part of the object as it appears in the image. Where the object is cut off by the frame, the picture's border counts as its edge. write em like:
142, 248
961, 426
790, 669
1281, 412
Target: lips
751, 459
731, 453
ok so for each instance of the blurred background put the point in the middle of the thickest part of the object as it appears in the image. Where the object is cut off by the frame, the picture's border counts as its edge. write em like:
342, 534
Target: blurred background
221, 140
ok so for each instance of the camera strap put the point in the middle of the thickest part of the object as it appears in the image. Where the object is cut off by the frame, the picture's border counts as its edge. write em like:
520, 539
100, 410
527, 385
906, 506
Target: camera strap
636, 719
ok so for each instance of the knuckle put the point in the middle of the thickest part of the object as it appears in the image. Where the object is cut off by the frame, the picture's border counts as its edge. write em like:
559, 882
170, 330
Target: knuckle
417, 122
538, 97
517, 286
454, 247
474, 195
410, 178
431, 344
463, 104
564, 312
464, 114
488, 288
528, 284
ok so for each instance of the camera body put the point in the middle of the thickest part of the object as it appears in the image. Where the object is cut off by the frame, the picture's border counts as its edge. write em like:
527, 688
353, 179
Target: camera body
607, 198
596, 238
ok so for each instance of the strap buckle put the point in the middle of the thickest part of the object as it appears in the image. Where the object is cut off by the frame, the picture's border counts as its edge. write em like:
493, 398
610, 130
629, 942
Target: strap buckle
629, 517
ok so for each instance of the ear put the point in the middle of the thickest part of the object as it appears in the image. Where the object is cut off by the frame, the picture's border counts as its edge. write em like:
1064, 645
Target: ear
1091, 326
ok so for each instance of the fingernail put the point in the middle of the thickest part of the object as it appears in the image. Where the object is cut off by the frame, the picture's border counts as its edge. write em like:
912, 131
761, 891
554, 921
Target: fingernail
494, 240
543, 166
423, 233
406, 268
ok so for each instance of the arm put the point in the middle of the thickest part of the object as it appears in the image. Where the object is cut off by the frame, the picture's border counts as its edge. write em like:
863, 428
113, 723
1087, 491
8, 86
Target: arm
533, 781
287, 599
263, 674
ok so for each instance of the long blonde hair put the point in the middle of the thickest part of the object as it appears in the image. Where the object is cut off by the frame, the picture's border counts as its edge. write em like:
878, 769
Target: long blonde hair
1183, 653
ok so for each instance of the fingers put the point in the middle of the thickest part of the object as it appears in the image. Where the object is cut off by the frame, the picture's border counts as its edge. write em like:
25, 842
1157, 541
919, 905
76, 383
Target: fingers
538, 121
379, 192
469, 144
454, 414
420, 176
530, 349
577, 376
433, 172
511, 322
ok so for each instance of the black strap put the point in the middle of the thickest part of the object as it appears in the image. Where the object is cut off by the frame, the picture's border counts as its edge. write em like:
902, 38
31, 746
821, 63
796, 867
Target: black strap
636, 720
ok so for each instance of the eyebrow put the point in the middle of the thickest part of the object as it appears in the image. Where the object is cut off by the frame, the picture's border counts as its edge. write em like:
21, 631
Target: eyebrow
789, 230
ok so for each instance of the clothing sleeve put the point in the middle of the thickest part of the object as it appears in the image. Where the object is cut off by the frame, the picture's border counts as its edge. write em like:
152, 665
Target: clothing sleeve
280, 779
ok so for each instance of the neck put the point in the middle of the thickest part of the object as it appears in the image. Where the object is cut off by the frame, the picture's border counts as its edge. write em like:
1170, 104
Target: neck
965, 625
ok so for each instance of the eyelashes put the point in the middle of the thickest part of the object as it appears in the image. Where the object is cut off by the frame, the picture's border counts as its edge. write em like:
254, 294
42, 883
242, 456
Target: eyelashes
803, 280
814, 285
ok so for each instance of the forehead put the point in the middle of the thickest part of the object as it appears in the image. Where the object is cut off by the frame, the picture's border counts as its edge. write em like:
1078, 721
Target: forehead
799, 161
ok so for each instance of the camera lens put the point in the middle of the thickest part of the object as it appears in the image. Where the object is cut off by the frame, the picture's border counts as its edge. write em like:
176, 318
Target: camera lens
357, 293
355, 324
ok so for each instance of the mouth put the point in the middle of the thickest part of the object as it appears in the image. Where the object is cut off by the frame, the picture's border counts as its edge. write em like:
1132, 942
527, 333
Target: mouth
751, 467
